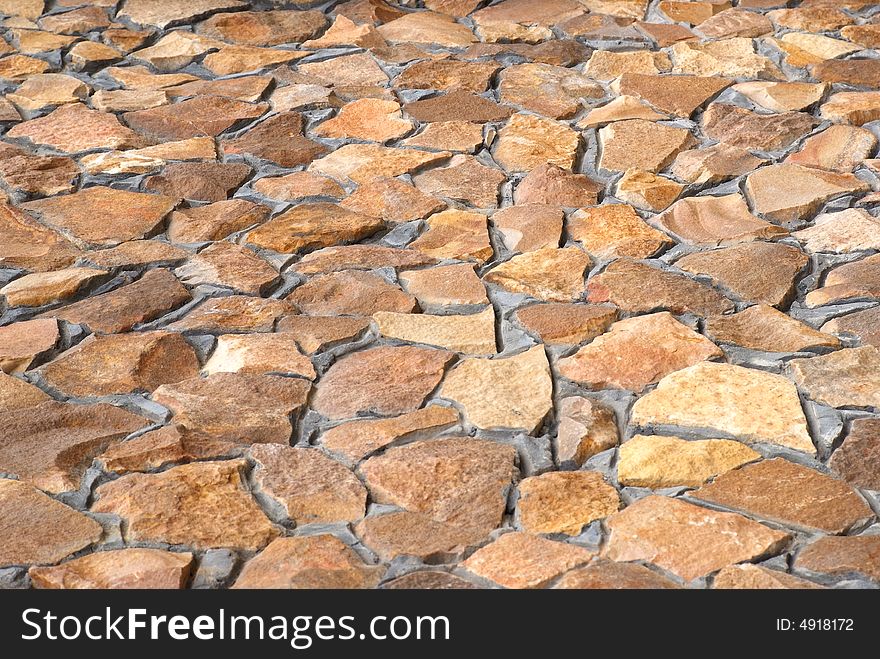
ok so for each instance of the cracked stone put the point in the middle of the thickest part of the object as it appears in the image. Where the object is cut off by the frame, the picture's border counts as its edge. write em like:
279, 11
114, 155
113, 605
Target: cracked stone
586, 428
782, 96
837, 148
647, 191
279, 139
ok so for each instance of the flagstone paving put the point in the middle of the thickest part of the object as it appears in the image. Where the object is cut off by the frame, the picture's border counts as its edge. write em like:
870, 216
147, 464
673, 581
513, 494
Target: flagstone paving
439, 294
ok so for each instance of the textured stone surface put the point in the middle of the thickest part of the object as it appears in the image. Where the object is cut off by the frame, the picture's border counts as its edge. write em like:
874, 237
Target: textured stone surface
615, 230
564, 502
259, 353
21, 343
851, 230
854, 280
470, 334
761, 327
118, 569
560, 323
754, 577
685, 539
313, 226
602, 574
844, 556
527, 142
555, 275
855, 460
715, 221
845, 378
640, 144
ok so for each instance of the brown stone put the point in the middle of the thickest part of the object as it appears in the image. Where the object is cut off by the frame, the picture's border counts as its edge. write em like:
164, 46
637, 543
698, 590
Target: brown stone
22, 342
842, 556
864, 325
163, 13
640, 144
153, 295
312, 226
788, 493
165, 446
246, 88
39, 288
203, 505
607, 65
615, 230
103, 216
457, 105
855, 72
236, 313
846, 378
51, 445
356, 440
527, 142
199, 181
25, 243
455, 136
603, 574
263, 28
856, 459
564, 502
528, 227
781, 96
306, 562
360, 163
385, 380
429, 580
555, 275
137, 253
215, 221
685, 539
737, 126
392, 200
585, 429
225, 264
73, 128
195, 117
368, 119
647, 191
345, 32
758, 406
639, 288
679, 95
550, 184
716, 221
252, 409
48, 89
360, 257
553, 91
118, 569
316, 333
521, 560
620, 109
851, 230
856, 108
21, 67
357, 69
733, 268
565, 324
415, 534
734, 58
458, 481
447, 74
456, 234
445, 286
754, 577
465, 179
427, 28
837, 148
259, 354
637, 352
857, 279
350, 293
298, 186
761, 327
38, 529
279, 139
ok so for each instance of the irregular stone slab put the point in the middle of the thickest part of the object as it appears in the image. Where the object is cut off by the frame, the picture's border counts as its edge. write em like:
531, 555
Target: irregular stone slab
38, 529
235, 406
360, 163
855, 72
392, 200
316, 333
457, 105
553, 91
472, 334
545, 274
21, 67
456, 234
615, 230
856, 108
607, 65
865, 325
517, 21
360, 257
465, 180
837, 148
136, 253
678, 95
428, 580
657, 461
350, 293
715, 221
36, 175
509, 392
278, 139
735, 23
298, 185
259, 354
640, 144
26, 244
713, 164
761, 327
150, 158
118, 569
520, 560
215, 221
225, 264
445, 286
236, 313
368, 119
647, 191
565, 324
810, 19
263, 28
528, 141
758, 406
846, 378
345, 32
313, 226
121, 364
786, 193
851, 230
620, 109
637, 352
564, 501
175, 50
857, 279
199, 181
74, 128
427, 28
691, 12
529, 227
195, 117
51, 445
456, 136
789, 493
103, 216
733, 268
355, 440
22, 342
204, 505
311, 487
685, 539
781, 96
855, 460
384, 381
447, 74
358, 70
639, 288
140, 77
734, 58
459, 481
754, 577
40, 288
315, 561
550, 184
414, 534
603, 574
585, 429
737, 126
151, 296
842, 556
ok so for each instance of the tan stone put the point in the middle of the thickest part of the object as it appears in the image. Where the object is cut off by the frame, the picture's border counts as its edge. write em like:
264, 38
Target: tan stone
148, 159
854, 280
861, 324
345, 32
737, 126
735, 23
638, 288
818, 46
51, 445
137, 253
312, 226
41, 288
456, 234
810, 19
585, 429
350, 293
528, 227
140, 77
685, 539
620, 109
175, 50
263, 28
21, 67
16, 394
245, 88
782, 96
507, 392
259, 354
357, 69
195, 117
691, 12
118, 569
555, 275
733, 268
640, 144
855, 72
658, 461
163, 13
392, 200
678, 95
521, 21
715, 221
225, 264
521, 560
447, 74
472, 334
837, 148
761, 327
455, 136
367, 119
297, 186
385, 380
564, 501
465, 179
22, 342
754, 577
29, 9
855, 460
846, 378
73, 128
415, 534
552, 91
842, 556
306, 562
360, 163
215, 221
603, 574
527, 142
88, 55
734, 58
647, 191
565, 324
615, 230
758, 406
26, 244
360, 257
38, 529
445, 286
637, 352
48, 89
550, 184
852, 107
355, 440
427, 28
851, 230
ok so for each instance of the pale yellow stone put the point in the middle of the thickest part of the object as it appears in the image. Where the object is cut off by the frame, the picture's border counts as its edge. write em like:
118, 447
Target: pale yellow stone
472, 334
